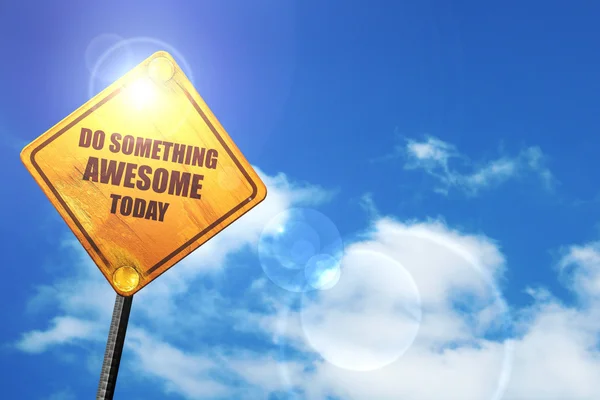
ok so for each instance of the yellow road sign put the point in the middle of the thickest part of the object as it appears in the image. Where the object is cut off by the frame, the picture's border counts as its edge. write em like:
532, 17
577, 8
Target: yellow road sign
143, 174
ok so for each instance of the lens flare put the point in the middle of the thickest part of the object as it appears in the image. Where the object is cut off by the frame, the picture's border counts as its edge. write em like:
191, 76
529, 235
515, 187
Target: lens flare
141, 93
322, 271
369, 319
120, 56
111, 68
300, 250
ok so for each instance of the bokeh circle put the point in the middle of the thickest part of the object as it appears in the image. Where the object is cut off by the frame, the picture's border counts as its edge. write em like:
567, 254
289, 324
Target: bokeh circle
96, 50
321, 324
300, 249
369, 319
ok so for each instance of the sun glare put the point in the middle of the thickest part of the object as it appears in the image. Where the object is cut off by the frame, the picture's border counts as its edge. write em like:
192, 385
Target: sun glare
141, 92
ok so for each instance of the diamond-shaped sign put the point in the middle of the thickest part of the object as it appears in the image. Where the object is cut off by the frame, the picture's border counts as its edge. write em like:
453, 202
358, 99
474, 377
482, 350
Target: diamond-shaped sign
143, 174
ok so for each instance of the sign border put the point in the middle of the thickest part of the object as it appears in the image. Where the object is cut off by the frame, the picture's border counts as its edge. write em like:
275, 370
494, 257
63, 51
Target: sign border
195, 238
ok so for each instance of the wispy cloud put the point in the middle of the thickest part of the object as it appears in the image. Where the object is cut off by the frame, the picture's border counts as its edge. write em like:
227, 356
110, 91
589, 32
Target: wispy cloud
63, 330
181, 372
454, 170
66, 394
368, 205
580, 268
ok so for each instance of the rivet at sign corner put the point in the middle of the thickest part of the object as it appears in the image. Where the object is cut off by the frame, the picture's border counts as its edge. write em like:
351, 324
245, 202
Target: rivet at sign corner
161, 68
126, 278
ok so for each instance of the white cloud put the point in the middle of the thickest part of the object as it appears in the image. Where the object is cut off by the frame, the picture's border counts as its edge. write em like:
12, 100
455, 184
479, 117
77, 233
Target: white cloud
363, 338
63, 330
557, 358
370, 320
581, 267
264, 372
554, 355
180, 372
435, 157
433, 151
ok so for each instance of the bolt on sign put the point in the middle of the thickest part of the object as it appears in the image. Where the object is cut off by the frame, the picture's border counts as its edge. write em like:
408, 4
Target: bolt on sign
143, 174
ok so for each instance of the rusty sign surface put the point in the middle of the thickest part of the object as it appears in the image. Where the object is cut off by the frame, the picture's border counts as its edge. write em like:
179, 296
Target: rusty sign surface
143, 174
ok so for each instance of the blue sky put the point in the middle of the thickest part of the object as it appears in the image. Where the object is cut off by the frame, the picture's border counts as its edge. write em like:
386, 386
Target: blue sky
451, 147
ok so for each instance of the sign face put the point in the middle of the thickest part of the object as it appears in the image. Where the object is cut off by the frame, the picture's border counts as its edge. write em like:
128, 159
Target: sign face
143, 174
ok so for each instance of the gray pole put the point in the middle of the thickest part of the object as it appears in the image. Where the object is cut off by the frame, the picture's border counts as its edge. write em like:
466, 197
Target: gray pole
114, 348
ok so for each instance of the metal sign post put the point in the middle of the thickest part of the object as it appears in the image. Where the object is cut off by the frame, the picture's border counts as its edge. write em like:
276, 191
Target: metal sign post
114, 348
